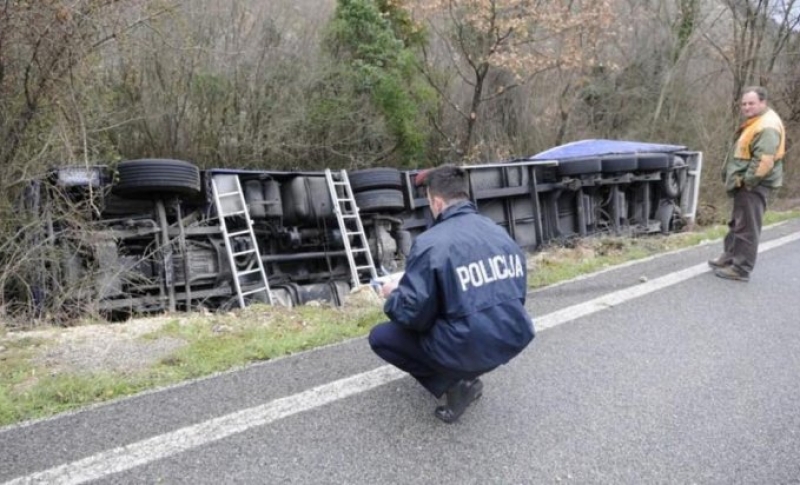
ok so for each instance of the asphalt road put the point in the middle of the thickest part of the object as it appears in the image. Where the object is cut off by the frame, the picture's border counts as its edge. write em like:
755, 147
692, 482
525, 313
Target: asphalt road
655, 372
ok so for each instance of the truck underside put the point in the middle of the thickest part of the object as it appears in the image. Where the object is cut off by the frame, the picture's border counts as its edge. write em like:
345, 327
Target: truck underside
161, 235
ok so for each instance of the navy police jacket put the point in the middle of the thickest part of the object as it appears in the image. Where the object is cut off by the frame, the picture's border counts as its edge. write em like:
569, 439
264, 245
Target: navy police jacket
464, 291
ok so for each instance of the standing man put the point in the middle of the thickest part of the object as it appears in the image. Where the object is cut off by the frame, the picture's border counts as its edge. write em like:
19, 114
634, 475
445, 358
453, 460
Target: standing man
751, 171
459, 309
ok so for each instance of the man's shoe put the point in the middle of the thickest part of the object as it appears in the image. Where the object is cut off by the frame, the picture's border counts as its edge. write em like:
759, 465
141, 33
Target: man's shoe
731, 273
720, 262
459, 397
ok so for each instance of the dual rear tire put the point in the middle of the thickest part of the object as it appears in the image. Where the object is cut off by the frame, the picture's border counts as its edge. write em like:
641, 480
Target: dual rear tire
154, 178
378, 189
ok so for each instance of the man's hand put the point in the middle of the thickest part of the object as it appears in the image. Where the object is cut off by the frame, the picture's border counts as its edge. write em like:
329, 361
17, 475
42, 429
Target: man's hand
738, 181
387, 283
388, 287
765, 166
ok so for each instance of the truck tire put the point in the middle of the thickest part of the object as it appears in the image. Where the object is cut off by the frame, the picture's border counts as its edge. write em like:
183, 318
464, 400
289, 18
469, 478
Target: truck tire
381, 200
618, 163
375, 178
148, 178
648, 162
578, 166
673, 182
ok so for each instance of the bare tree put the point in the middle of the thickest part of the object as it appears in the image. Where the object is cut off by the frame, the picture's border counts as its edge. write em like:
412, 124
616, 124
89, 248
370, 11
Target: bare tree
41, 43
761, 30
519, 37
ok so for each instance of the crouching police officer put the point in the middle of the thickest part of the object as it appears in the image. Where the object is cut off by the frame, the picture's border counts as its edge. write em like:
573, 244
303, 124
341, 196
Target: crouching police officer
459, 309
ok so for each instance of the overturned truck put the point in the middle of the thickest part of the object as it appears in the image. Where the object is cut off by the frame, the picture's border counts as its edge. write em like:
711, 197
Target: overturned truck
162, 235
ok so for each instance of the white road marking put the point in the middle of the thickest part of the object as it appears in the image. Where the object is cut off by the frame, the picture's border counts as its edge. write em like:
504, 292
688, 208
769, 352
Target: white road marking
609, 300
159, 447
163, 446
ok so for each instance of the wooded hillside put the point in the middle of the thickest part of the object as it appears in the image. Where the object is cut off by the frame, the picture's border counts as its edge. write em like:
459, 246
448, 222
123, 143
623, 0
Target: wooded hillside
307, 84
378, 82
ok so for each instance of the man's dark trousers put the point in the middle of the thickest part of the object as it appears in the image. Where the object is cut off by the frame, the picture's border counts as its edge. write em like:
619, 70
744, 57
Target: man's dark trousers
401, 347
741, 242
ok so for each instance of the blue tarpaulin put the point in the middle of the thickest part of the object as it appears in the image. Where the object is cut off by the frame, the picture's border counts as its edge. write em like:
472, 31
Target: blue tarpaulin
598, 148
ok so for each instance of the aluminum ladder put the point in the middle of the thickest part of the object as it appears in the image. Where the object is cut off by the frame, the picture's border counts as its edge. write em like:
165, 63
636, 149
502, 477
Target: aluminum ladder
229, 202
350, 225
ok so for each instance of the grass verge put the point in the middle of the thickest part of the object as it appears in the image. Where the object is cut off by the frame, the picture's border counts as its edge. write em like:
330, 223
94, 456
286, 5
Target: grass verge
31, 387
588, 255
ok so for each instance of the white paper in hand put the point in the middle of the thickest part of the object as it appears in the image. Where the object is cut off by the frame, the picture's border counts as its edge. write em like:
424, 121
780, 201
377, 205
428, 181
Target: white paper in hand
377, 283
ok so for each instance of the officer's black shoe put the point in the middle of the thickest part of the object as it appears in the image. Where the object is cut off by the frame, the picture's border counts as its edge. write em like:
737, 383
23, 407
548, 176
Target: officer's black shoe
476, 388
459, 397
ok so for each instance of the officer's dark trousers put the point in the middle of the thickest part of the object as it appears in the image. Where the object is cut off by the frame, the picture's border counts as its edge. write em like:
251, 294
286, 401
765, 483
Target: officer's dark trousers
401, 347
744, 229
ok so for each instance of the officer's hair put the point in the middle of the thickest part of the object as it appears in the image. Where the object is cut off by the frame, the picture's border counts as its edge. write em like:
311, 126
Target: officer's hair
448, 182
760, 91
